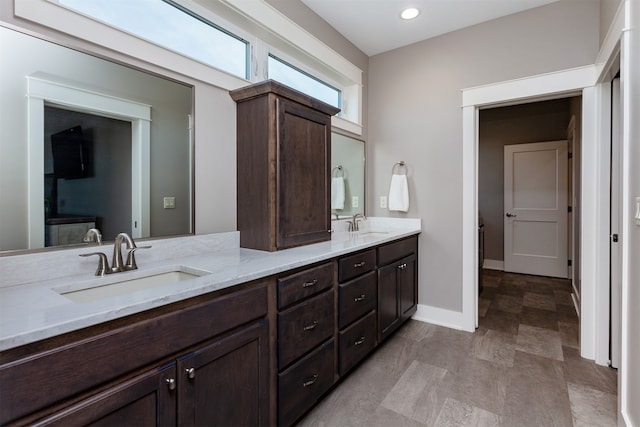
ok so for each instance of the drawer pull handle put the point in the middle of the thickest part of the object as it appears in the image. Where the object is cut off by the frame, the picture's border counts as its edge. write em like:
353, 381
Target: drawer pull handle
311, 381
360, 298
360, 341
171, 383
309, 284
402, 266
191, 373
359, 264
311, 326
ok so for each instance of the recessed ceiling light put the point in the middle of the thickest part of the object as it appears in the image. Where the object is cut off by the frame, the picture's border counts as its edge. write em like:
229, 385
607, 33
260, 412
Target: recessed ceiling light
409, 13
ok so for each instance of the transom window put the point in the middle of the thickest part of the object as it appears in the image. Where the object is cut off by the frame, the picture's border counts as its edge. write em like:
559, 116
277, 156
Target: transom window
169, 25
304, 82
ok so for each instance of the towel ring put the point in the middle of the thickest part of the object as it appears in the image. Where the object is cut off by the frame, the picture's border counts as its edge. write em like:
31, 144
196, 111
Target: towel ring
399, 165
337, 172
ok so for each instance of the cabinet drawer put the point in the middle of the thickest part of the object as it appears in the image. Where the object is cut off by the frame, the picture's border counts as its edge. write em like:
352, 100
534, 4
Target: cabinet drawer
300, 386
304, 326
354, 265
357, 341
356, 298
396, 250
301, 285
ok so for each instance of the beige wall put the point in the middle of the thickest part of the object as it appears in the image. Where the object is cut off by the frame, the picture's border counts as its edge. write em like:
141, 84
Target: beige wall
415, 115
519, 124
608, 9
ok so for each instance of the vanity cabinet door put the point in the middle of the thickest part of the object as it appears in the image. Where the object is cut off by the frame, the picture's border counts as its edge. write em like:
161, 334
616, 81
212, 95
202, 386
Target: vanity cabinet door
226, 383
145, 400
397, 294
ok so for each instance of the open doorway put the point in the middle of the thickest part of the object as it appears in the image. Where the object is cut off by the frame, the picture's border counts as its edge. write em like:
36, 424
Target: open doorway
511, 126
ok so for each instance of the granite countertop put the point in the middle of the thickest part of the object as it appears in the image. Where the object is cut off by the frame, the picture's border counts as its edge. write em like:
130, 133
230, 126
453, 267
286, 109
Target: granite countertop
33, 308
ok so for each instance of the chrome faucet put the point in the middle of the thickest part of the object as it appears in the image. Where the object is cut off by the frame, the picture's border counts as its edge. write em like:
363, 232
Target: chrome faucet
354, 224
117, 265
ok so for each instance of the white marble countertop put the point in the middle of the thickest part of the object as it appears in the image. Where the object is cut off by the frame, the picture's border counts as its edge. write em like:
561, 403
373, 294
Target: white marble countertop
32, 307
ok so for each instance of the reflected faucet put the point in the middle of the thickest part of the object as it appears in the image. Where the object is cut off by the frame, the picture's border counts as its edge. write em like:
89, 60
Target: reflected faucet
93, 235
117, 265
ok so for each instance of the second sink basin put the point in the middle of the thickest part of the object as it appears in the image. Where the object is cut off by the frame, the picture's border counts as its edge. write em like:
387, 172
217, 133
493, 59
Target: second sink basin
113, 285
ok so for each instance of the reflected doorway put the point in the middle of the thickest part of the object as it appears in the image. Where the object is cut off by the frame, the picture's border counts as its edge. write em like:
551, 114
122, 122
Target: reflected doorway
87, 175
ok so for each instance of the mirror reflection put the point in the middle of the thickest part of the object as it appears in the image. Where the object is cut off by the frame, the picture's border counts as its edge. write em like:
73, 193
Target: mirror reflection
89, 143
347, 176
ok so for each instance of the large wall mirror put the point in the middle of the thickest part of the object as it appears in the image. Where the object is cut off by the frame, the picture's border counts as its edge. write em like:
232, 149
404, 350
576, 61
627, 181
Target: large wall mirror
347, 176
88, 142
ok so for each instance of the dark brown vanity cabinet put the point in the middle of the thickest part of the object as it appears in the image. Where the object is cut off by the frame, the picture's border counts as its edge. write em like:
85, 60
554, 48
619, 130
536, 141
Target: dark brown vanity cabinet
397, 284
283, 167
205, 363
357, 302
306, 340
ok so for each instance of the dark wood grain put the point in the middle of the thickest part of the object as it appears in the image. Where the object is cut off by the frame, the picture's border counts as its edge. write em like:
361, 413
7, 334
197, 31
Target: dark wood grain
356, 298
301, 285
354, 265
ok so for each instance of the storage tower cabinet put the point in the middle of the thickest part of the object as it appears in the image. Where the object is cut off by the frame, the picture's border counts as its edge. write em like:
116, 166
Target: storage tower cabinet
283, 167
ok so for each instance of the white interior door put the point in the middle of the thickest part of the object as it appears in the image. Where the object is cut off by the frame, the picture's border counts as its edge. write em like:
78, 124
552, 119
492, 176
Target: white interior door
535, 203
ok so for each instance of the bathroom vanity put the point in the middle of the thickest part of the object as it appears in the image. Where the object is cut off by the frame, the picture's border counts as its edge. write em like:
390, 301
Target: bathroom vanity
251, 338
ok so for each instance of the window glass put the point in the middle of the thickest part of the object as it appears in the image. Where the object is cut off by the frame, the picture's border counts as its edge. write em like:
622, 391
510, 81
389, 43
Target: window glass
168, 25
294, 77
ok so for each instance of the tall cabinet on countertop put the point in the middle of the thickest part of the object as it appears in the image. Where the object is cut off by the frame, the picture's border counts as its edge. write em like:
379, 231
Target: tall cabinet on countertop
283, 173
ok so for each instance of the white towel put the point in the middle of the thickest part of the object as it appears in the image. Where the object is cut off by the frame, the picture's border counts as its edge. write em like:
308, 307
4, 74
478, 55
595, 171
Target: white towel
337, 192
399, 193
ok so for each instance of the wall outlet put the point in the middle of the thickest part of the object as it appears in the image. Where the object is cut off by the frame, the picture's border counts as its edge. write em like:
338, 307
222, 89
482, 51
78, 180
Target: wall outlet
383, 202
355, 201
169, 202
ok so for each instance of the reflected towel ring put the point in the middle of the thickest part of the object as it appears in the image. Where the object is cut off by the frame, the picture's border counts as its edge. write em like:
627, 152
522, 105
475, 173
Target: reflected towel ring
399, 165
337, 172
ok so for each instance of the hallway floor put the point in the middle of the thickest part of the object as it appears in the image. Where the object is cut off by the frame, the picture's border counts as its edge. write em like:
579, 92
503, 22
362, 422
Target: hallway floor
521, 367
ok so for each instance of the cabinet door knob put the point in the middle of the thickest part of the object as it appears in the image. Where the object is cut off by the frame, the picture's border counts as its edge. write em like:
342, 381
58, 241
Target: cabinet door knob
309, 284
171, 383
311, 326
360, 298
191, 373
310, 381
359, 264
402, 266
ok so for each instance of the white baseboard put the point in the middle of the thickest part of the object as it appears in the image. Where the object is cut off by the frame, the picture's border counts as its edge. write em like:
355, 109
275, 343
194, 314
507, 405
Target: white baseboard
493, 264
439, 316
576, 303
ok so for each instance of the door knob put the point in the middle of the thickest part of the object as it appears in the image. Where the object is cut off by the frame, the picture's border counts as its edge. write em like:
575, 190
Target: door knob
510, 215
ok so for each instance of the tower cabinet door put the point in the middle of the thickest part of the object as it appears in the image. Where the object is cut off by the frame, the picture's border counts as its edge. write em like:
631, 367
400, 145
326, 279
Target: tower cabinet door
226, 383
303, 188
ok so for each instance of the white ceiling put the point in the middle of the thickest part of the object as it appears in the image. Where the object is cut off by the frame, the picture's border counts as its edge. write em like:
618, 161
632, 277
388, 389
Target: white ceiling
374, 26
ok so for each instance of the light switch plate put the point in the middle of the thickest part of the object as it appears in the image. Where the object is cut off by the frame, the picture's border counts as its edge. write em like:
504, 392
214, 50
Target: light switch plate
638, 211
169, 202
355, 202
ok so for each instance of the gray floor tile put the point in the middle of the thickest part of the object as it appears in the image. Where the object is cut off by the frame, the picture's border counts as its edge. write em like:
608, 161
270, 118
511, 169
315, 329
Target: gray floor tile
540, 341
539, 318
541, 301
455, 413
483, 306
591, 407
569, 334
508, 303
495, 346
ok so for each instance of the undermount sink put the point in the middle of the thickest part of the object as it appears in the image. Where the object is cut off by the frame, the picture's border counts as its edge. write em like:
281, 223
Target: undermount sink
113, 285
372, 233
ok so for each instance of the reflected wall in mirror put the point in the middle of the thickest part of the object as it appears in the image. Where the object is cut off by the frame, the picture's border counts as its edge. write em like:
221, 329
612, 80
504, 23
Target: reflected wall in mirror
132, 151
347, 176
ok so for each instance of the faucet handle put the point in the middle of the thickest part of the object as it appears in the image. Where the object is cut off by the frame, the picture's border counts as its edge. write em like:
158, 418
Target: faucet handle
131, 259
103, 263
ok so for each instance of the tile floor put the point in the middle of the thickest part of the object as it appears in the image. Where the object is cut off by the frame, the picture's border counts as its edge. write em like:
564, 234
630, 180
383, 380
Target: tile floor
521, 367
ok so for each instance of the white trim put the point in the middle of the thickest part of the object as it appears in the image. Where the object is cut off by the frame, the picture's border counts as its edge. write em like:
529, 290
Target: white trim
439, 316
275, 22
610, 46
493, 264
40, 91
546, 85
470, 219
556, 83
